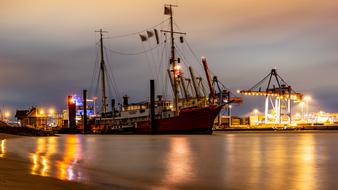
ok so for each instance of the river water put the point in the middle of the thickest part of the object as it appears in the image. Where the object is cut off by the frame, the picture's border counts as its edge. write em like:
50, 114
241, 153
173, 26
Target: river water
251, 160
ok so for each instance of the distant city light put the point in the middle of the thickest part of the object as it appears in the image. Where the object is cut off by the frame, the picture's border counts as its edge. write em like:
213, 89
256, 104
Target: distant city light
7, 114
51, 111
307, 98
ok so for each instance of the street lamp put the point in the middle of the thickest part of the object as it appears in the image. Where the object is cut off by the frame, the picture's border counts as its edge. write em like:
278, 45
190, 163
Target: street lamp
95, 98
255, 111
230, 106
51, 119
302, 109
51, 112
307, 100
7, 114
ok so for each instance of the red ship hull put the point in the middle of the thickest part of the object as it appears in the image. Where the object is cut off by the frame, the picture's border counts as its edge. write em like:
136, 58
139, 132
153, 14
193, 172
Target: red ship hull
189, 121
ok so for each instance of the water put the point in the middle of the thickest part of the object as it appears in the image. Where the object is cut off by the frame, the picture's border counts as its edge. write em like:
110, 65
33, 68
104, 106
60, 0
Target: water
255, 160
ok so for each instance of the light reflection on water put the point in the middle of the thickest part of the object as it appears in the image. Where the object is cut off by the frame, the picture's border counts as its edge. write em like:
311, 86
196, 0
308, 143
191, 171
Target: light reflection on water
3, 148
43, 162
302, 161
178, 162
71, 155
306, 171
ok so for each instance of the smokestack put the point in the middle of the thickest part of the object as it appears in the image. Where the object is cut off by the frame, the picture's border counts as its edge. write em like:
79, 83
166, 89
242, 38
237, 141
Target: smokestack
71, 112
125, 100
113, 107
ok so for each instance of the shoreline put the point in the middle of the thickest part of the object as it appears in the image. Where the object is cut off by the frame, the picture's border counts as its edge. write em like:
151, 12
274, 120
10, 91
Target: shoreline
14, 174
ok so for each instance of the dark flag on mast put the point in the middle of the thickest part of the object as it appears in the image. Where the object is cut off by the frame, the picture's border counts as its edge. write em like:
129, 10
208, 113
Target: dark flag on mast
143, 37
150, 34
156, 36
167, 10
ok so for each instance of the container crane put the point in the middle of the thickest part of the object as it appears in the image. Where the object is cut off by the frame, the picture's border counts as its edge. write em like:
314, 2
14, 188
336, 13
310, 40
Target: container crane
278, 94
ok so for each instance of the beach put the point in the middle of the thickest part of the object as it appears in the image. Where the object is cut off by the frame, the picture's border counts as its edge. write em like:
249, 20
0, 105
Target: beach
14, 175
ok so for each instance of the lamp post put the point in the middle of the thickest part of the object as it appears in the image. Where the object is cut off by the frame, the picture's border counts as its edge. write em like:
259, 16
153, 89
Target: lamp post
307, 100
95, 98
302, 110
52, 117
230, 106
255, 112
7, 114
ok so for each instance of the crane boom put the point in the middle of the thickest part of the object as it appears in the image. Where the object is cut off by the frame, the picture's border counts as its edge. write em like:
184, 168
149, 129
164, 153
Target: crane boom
207, 74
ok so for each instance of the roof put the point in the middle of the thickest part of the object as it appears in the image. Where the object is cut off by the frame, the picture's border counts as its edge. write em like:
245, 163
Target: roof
21, 113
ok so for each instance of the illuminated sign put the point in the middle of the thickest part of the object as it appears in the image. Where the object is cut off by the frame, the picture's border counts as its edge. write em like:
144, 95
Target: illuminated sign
79, 106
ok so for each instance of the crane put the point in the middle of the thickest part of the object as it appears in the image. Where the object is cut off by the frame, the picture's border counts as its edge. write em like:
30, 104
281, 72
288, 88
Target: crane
278, 94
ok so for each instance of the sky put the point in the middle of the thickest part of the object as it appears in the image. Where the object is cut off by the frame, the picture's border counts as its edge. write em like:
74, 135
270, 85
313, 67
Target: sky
48, 49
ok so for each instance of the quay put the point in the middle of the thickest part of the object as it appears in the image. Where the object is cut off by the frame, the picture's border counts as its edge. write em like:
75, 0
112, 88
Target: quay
24, 131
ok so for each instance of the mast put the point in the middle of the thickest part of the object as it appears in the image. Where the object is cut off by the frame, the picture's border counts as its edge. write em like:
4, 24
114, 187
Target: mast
169, 11
193, 79
173, 61
103, 76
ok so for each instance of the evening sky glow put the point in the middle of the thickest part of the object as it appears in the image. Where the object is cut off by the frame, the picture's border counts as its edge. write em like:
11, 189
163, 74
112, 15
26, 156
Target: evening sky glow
47, 48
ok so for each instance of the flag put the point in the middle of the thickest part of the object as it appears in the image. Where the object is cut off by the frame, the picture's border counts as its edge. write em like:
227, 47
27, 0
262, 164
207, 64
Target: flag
150, 34
167, 10
156, 36
143, 37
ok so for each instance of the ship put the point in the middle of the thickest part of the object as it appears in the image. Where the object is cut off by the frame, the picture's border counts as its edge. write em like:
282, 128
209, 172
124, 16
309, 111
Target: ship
158, 115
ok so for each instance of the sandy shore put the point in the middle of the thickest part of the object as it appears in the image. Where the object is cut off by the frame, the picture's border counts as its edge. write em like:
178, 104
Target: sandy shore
14, 175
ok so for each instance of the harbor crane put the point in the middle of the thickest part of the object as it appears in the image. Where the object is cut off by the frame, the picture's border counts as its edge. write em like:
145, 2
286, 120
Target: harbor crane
218, 92
278, 94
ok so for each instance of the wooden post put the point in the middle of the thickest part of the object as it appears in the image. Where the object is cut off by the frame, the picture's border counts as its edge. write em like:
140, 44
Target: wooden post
152, 107
85, 127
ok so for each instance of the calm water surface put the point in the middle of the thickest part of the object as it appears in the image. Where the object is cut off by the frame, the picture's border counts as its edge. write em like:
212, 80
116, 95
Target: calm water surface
255, 160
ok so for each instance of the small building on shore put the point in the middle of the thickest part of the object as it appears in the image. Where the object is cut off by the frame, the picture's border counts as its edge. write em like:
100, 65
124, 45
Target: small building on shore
34, 118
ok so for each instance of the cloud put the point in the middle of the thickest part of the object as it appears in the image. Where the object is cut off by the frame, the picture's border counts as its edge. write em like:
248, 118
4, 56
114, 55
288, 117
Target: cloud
48, 48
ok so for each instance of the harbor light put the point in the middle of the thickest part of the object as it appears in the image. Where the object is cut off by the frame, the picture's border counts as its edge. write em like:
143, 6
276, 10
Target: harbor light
307, 98
7, 114
51, 111
71, 100
302, 109
255, 112
177, 70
